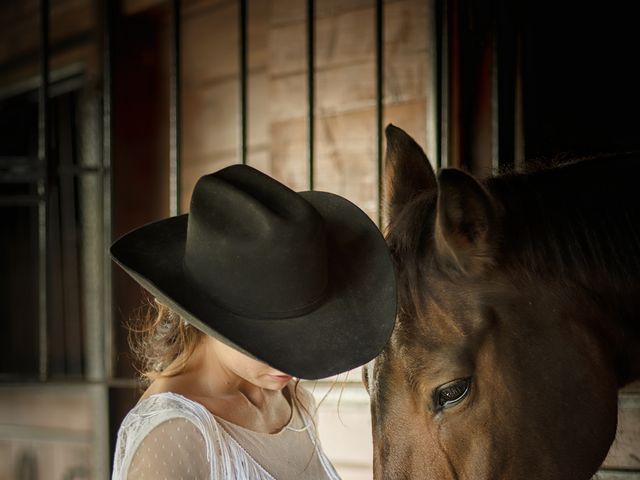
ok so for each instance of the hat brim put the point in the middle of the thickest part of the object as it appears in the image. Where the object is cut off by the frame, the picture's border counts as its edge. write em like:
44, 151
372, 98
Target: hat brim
349, 328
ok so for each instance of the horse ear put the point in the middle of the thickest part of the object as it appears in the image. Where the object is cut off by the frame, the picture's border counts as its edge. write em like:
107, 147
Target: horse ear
464, 222
407, 171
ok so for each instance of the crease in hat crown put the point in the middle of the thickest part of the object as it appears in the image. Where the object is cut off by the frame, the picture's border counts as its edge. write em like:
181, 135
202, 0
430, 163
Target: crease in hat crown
255, 246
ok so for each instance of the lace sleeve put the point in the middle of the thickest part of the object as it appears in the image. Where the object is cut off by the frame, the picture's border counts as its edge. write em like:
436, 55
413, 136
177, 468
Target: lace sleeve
174, 449
169, 436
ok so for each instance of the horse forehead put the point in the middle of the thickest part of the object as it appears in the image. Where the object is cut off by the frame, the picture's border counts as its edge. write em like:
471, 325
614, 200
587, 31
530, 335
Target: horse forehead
409, 356
433, 324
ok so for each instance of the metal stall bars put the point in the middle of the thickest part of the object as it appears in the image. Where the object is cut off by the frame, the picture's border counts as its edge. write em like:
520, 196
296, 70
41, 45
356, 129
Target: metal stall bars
379, 105
175, 110
44, 181
242, 40
437, 85
436, 134
105, 369
107, 14
311, 88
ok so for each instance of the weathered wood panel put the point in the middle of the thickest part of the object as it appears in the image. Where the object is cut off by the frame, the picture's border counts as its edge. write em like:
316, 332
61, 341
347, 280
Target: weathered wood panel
288, 151
209, 46
625, 451
48, 428
345, 90
287, 49
20, 25
617, 475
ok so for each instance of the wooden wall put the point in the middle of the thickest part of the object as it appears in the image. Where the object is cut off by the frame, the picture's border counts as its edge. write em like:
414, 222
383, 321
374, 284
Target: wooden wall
345, 160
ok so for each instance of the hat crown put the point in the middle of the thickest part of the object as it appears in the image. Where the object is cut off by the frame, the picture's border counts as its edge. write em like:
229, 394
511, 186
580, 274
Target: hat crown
254, 245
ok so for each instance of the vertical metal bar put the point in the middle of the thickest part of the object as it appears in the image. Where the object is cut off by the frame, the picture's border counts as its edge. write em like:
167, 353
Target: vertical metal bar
443, 82
242, 37
505, 26
311, 89
379, 99
432, 121
175, 111
101, 436
43, 187
495, 99
519, 145
107, 185
105, 368
91, 220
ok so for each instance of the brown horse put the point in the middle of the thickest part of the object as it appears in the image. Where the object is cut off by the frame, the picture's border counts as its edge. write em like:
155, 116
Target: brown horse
517, 323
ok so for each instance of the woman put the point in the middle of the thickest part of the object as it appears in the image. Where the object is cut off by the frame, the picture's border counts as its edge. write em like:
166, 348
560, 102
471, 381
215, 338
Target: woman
256, 285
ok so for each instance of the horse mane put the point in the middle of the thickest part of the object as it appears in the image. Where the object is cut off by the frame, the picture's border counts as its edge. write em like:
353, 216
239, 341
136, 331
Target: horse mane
572, 220
576, 220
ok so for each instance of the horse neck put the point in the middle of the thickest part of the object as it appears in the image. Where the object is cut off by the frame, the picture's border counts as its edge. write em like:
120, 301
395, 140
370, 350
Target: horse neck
578, 226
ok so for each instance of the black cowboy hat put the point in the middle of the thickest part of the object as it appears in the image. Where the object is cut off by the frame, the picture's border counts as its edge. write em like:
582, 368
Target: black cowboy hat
302, 281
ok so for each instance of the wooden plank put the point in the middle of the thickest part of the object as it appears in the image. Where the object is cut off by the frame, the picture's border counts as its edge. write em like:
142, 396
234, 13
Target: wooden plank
288, 97
287, 49
405, 77
345, 162
288, 149
46, 407
349, 87
291, 11
410, 116
258, 110
406, 29
6, 454
189, 7
210, 46
344, 147
260, 159
345, 39
19, 27
287, 11
625, 451
132, 7
20, 458
616, 475
333, 8
633, 387
352, 87
348, 37
258, 32
210, 120
71, 17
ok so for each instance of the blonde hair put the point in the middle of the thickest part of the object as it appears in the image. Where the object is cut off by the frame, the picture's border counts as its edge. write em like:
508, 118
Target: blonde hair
161, 341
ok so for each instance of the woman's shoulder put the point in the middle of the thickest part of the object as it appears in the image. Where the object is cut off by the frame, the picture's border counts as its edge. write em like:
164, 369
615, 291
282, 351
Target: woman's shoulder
167, 435
154, 409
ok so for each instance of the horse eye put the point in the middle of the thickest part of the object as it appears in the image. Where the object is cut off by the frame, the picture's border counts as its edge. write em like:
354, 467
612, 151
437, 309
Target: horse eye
451, 393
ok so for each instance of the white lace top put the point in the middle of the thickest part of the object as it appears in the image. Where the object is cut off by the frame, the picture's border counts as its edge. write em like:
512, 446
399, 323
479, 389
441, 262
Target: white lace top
168, 436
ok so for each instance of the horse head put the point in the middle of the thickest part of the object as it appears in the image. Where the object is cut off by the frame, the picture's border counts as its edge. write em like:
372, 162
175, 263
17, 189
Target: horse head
490, 372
